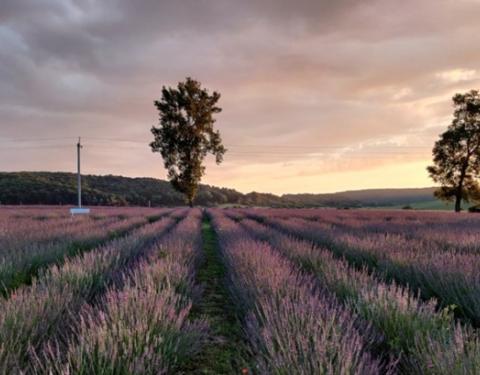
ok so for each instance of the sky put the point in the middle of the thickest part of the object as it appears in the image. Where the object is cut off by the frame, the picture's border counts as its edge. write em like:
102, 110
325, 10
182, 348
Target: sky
317, 96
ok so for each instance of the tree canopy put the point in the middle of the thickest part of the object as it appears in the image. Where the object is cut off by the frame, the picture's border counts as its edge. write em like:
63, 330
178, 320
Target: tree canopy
456, 155
186, 134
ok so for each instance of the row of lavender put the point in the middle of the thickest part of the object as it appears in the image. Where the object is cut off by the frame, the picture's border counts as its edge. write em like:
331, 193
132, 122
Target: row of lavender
422, 335
424, 263
445, 229
293, 325
120, 308
17, 230
140, 325
27, 244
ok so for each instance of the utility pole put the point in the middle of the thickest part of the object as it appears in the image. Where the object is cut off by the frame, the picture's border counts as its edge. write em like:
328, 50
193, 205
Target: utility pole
79, 210
79, 177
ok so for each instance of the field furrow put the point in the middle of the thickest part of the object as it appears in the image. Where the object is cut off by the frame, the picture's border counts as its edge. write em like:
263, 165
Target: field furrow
143, 325
32, 315
21, 262
411, 328
449, 276
293, 326
224, 353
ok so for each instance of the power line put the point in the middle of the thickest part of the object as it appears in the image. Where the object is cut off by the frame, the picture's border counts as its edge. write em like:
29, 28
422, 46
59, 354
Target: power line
286, 152
33, 139
117, 140
323, 146
233, 148
35, 147
229, 145
261, 146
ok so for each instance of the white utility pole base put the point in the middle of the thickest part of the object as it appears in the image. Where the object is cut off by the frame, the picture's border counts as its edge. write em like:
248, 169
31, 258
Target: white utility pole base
79, 211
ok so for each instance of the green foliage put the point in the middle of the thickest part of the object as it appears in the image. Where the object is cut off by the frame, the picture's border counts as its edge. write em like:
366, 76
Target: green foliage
474, 208
186, 134
55, 188
456, 155
59, 188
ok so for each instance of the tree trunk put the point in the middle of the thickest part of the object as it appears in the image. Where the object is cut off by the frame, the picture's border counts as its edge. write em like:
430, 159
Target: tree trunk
190, 202
459, 193
458, 202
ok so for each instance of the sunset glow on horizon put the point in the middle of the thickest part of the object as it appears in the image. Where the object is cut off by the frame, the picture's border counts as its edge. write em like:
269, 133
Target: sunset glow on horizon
317, 96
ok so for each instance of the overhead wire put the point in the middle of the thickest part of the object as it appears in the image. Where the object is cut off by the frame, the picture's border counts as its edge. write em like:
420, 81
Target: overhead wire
236, 149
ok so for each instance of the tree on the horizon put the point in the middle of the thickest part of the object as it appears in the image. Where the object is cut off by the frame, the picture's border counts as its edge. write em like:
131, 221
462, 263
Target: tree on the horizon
456, 155
186, 134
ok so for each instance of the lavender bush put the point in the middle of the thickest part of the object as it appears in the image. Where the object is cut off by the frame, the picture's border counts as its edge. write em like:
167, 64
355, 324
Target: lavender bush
141, 328
36, 313
292, 325
22, 259
446, 274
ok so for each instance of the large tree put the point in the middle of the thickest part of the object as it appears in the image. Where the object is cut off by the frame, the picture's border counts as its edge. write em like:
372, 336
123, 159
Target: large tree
456, 155
186, 134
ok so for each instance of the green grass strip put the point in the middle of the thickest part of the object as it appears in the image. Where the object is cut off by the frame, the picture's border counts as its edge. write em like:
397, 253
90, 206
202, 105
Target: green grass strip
225, 352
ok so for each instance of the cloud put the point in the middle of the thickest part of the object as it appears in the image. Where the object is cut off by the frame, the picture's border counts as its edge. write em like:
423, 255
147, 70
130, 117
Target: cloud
292, 74
457, 75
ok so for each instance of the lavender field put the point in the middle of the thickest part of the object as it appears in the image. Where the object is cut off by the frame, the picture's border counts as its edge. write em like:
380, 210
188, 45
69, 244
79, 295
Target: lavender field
239, 291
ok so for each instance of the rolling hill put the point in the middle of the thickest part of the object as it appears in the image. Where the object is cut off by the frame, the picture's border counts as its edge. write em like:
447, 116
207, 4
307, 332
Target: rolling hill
59, 188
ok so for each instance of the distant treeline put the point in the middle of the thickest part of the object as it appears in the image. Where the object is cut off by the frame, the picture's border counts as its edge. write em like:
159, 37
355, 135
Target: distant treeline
59, 188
